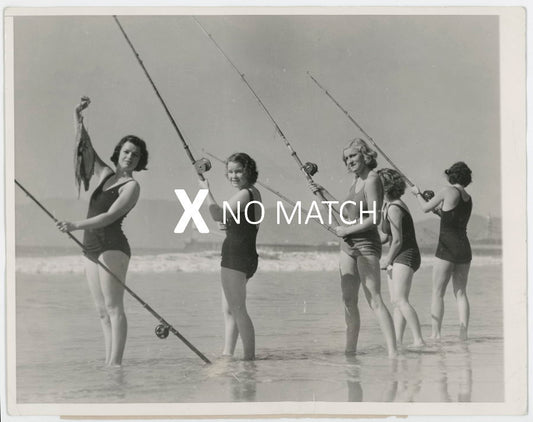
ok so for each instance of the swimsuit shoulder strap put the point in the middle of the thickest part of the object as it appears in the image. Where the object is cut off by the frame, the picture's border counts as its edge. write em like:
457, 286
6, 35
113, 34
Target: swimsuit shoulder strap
118, 186
124, 183
105, 179
461, 194
398, 205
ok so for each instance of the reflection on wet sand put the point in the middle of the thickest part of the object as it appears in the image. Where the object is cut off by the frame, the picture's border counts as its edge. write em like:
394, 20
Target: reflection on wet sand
243, 381
353, 379
410, 382
404, 382
464, 360
403, 378
117, 382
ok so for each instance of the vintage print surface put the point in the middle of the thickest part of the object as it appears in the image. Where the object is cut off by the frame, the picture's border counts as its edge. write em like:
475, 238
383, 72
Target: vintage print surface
215, 211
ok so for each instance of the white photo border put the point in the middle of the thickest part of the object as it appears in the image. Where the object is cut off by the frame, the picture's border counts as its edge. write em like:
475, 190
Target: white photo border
513, 171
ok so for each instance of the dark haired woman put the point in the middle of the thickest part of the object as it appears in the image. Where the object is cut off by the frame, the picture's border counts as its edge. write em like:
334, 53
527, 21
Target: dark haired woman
403, 258
116, 194
453, 251
239, 254
361, 244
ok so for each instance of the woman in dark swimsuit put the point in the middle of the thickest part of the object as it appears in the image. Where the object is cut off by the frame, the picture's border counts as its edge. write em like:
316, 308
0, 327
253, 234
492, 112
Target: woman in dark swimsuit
361, 244
403, 258
103, 239
239, 255
453, 254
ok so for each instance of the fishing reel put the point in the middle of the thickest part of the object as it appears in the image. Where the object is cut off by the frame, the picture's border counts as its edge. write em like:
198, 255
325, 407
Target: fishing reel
428, 195
310, 168
202, 165
162, 331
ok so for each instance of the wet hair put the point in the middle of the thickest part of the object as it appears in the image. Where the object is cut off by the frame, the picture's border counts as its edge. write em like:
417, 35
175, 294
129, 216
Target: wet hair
139, 143
248, 165
369, 155
393, 183
459, 173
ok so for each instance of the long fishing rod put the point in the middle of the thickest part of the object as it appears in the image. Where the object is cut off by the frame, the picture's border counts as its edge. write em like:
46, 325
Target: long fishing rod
202, 165
361, 129
427, 194
164, 327
308, 169
275, 192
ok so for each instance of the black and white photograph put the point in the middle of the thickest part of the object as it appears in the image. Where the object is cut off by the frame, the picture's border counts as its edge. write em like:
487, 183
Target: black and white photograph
232, 211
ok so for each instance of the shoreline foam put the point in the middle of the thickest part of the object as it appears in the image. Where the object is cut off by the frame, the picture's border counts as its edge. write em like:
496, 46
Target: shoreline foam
206, 262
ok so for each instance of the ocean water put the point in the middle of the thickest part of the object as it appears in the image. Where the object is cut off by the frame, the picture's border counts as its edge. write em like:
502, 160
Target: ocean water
295, 304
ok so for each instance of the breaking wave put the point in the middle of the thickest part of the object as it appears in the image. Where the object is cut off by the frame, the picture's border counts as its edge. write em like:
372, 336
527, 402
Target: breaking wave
207, 261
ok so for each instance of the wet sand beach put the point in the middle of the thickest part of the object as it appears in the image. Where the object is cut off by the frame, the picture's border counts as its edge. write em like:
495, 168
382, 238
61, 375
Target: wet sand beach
299, 325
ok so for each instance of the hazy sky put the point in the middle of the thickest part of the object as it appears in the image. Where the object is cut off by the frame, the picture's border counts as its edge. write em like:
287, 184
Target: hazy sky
426, 88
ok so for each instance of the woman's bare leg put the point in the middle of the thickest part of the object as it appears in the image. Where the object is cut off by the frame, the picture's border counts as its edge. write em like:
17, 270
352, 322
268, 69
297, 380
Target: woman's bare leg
230, 327
234, 285
113, 292
397, 317
459, 280
403, 276
369, 273
442, 271
93, 280
350, 293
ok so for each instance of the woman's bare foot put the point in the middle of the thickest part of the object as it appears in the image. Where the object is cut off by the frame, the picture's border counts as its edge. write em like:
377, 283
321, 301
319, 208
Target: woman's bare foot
435, 336
418, 343
463, 333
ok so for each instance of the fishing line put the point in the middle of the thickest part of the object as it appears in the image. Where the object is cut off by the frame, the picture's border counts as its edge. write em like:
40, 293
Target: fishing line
275, 192
427, 195
163, 329
202, 165
308, 169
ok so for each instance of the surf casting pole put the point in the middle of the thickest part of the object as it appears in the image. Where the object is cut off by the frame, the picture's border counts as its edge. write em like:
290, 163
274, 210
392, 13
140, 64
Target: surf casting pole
308, 169
361, 129
202, 165
164, 327
275, 192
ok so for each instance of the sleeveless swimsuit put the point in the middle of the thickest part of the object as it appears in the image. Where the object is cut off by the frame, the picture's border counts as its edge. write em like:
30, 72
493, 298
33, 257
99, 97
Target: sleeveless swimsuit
239, 249
110, 237
409, 254
362, 243
453, 242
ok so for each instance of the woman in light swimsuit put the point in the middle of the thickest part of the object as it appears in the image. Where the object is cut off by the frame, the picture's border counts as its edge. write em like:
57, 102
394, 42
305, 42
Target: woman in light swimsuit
239, 254
116, 194
403, 258
361, 244
453, 254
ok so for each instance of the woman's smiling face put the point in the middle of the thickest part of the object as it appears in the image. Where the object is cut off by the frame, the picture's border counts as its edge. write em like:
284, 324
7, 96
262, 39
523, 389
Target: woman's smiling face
354, 159
129, 156
235, 174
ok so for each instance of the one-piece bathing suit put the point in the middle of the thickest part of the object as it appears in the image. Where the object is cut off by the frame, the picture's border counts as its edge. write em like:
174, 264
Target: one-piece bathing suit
110, 237
409, 253
362, 243
454, 245
239, 247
